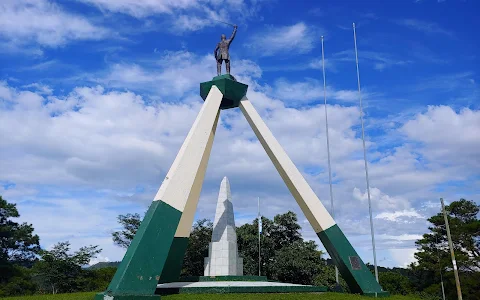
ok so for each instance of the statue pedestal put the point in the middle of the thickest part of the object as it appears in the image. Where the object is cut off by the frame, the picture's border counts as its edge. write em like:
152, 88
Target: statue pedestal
232, 90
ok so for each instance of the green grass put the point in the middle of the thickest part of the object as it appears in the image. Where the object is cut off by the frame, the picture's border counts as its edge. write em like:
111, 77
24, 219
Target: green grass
323, 296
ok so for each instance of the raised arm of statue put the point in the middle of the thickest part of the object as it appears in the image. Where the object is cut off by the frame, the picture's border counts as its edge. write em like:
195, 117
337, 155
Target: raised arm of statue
233, 34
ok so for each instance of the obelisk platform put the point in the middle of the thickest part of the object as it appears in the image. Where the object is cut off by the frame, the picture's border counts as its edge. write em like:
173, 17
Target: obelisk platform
223, 259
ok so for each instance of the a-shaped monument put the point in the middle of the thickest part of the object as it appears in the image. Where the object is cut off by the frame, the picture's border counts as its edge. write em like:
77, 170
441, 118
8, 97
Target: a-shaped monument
223, 259
157, 250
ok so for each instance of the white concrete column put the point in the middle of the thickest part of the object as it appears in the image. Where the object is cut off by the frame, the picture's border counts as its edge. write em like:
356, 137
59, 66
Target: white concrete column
186, 221
311, 206
190, 164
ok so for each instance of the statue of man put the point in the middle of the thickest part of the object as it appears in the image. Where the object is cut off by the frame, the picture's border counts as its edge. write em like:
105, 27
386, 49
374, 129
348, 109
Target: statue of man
221, 51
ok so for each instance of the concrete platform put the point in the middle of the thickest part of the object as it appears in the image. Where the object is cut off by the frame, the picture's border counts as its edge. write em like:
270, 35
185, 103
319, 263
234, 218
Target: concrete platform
223, 287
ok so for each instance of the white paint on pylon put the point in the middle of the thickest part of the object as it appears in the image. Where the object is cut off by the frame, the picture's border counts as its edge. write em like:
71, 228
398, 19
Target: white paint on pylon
186, 221
177, 185
308, 201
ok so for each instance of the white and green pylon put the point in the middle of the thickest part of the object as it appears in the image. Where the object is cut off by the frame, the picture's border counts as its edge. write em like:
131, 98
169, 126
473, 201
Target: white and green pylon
163, 233
157, 250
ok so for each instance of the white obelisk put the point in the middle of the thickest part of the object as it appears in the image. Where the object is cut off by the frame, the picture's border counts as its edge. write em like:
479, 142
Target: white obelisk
223, 259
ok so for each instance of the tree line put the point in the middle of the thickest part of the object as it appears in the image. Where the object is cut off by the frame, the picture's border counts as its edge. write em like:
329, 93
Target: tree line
26, 268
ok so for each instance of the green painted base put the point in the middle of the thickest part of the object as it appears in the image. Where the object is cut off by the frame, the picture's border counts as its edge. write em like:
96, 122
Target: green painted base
232, 90
102, 296
241, 289
173, 265
140, 269
353, 270
222, 278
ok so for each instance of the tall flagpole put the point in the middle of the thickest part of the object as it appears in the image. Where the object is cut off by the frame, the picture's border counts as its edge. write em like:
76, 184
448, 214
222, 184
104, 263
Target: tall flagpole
328, 144
365, 156
259, 231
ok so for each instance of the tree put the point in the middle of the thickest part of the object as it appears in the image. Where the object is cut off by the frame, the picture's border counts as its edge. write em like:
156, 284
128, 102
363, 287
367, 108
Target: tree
326, 277
197, 248
283, 231
395, 283
433, 252
59, 271
247, 241
19, 284
298, 262
465, 232
96, 279
18, 244
130, 224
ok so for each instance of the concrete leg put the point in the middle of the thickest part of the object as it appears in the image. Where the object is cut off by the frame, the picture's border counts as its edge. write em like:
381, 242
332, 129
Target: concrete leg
139, 272
353, 270
173, 265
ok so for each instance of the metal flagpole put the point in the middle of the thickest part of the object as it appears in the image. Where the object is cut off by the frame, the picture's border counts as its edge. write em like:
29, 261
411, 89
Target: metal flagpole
450, 244
259, 231
328, 144
365, 156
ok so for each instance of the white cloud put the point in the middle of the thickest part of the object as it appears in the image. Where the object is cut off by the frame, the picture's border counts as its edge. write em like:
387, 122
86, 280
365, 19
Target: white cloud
401, 237
98, 258
403, 256
398, 215
447, 136
309, 90
381, 200
295, 39
42, 89
107, 149
45, 23
175, 73
183, 15
143, 8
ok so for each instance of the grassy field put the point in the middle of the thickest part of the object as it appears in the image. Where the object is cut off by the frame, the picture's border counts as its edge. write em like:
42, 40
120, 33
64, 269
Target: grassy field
323, 296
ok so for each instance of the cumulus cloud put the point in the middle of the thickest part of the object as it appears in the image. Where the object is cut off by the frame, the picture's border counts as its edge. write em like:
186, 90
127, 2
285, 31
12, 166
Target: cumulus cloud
403, 256
44, 23
142, 8
398, 215
381, 200
173, 74
182, 15
107, 148
309, 90
447, 136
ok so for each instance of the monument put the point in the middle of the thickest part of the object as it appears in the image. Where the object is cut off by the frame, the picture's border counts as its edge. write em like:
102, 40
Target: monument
156, 253
223, 259
221, 52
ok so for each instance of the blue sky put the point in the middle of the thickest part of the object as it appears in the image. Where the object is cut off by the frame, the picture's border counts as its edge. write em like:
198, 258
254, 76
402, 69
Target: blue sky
97, 96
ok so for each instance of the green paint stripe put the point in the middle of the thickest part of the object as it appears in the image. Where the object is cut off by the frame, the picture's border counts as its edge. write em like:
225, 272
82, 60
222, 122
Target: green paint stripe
353, 270
140, 269
173, 265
